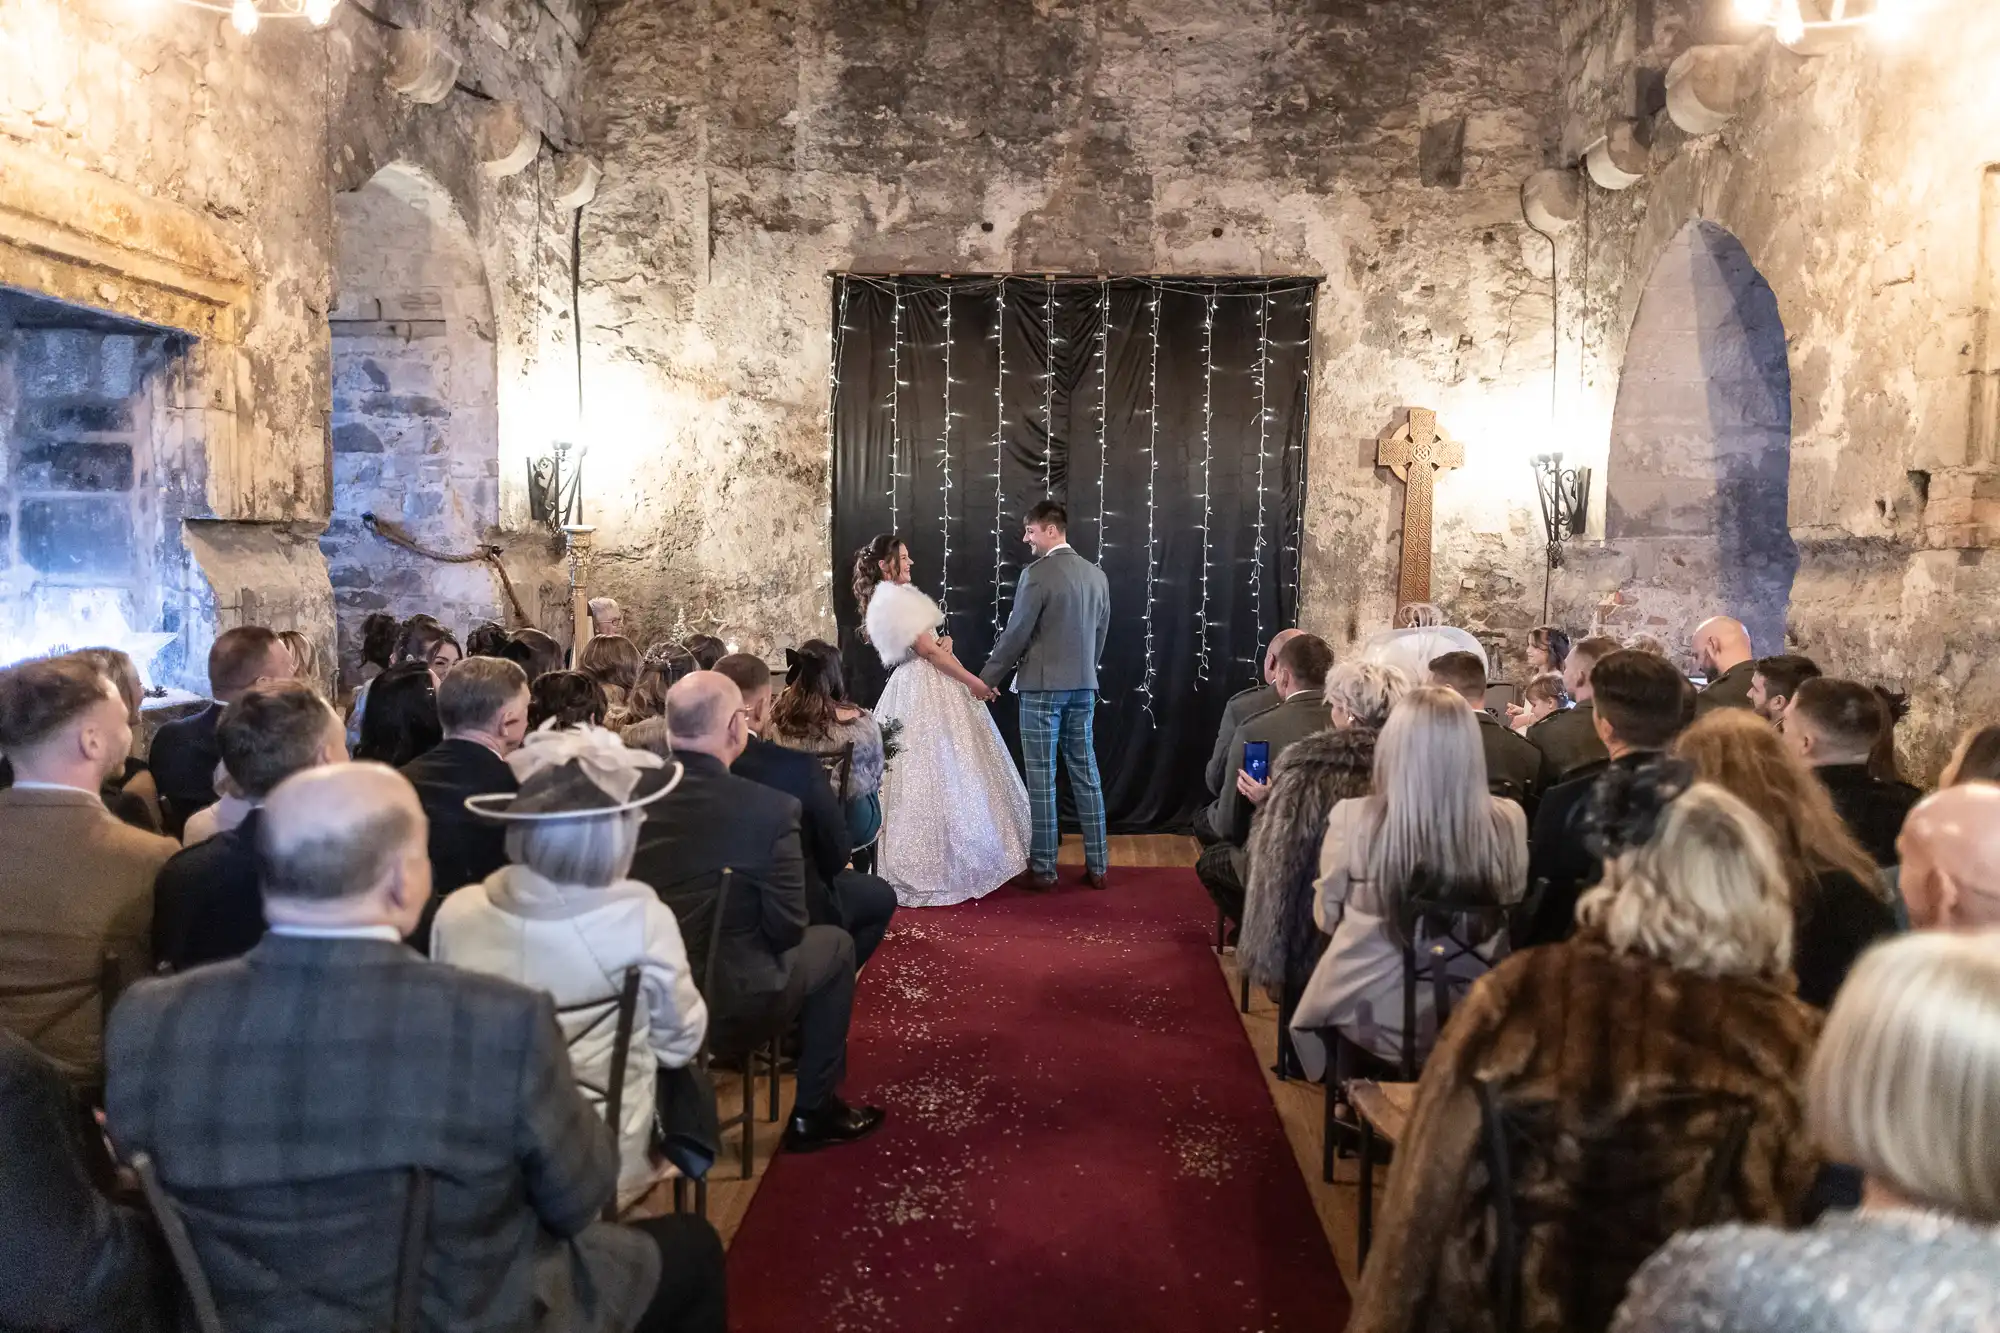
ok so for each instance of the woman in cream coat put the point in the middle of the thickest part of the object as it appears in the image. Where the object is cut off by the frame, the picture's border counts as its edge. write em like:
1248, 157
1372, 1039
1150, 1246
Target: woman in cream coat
1430, 811
566, 919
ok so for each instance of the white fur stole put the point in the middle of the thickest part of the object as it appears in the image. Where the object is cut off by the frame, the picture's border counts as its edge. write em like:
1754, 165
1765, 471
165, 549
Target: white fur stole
898, 615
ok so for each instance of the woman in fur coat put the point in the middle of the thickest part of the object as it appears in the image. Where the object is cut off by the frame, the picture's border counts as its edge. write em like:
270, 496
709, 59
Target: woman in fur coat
1648, 1073
1280, 943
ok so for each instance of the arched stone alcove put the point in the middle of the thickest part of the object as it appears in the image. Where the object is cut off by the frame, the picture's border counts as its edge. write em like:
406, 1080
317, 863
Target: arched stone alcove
1696, 480
415, 416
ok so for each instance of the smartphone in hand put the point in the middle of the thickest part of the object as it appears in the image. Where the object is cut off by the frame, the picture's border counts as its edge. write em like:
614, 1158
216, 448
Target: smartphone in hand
1257, 760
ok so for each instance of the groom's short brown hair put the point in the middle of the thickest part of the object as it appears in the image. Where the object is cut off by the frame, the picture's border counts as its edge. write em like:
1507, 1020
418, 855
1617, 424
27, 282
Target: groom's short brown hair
1050, 514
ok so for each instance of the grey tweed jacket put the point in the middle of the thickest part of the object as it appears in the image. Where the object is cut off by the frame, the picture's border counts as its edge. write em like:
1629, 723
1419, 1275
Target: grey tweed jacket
284, 1097
1062, 611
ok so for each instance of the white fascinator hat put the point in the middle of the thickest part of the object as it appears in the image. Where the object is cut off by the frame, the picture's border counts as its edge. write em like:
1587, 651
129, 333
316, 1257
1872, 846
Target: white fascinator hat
575, 773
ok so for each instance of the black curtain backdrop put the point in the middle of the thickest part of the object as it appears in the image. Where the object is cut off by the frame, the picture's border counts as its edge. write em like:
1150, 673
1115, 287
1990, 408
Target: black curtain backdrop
1112, 425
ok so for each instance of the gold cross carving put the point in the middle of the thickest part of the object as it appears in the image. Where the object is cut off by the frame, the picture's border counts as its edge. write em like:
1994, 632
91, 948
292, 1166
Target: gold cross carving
1416, 452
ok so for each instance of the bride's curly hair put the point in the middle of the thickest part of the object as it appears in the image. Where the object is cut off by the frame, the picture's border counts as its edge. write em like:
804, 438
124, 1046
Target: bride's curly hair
868, 562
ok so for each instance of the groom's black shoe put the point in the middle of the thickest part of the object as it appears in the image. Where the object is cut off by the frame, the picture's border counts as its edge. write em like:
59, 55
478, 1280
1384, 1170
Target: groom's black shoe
834, 1122
1034, 881
1094, 879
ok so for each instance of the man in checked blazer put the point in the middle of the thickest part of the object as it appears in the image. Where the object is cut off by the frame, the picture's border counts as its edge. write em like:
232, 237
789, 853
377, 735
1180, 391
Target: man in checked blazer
289, 1097
1055, 637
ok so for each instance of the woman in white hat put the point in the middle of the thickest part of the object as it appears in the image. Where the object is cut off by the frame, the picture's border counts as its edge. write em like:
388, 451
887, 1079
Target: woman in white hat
566, 918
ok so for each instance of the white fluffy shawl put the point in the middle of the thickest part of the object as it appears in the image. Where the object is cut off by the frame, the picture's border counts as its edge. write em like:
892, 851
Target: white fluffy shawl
898, 615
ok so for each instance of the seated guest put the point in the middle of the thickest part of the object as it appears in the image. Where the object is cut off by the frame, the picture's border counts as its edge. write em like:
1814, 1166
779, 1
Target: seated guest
1242, 706
567, 919
706, 650
1882, 762
1838, 905
775, 970
566, 699
1775, 680
286, 1096
1548, 649
206, 902
76, 884
486, 639
1723, 657
1647, 643
402, 720
607, 618
183, 755
131, 794
1280, 940
1300, 679
1976, 758
1431, 818
1638, 709
1674, 991
305, 657
1544, 696
483, 709
379, 632
1513, 765
1950, 849
812, 713
1905, 1082
648, 698
76, 1261
421, 639
613, 662
1421, 634
534, 652
858, 903
1833, 725
1568, 740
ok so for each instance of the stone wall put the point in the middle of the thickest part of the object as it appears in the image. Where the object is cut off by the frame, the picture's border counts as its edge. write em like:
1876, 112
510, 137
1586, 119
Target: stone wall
1857, 186
751, 148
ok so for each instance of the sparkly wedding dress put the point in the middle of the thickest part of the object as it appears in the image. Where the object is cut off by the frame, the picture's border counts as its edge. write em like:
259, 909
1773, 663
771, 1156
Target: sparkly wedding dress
954, 808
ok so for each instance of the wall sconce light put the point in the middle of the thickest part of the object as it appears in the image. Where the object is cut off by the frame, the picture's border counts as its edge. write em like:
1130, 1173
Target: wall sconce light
1565, 497
555, 488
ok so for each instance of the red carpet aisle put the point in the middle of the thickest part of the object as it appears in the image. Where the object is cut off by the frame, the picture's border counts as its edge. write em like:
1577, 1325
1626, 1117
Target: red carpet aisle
1080, 1140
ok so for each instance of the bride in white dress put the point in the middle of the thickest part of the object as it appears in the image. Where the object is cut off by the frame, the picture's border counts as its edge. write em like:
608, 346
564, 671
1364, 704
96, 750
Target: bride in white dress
954, 809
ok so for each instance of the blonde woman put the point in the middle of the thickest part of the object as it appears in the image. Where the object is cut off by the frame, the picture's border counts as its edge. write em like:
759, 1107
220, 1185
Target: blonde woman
1430, 816
1906, 1085
1661, 1037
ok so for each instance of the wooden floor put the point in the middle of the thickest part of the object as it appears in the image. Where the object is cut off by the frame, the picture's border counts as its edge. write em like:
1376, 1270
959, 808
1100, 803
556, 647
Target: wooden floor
1298, 1105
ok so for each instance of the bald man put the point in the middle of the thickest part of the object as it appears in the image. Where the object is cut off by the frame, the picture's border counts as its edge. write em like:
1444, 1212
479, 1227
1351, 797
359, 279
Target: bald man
773, 969
296, 1089
1243, 706
1950, 848
1722, 654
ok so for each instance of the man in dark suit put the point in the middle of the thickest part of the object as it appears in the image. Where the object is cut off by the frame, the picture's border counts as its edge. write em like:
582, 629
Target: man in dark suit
1568, 739
859, 903
184, 753
1301, 679
483, 707
1513, 765
774, 968
206, 902
1775, 680
1833, 725
1722, 655
288, 1097
1640, 707
1242, 706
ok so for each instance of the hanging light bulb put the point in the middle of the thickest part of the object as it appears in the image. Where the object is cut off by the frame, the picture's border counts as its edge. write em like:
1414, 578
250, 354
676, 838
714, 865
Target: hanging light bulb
320, 12
243, 16
1789, 23
1754, 11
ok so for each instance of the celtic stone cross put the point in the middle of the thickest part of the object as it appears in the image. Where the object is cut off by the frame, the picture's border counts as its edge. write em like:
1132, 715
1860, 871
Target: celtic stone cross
1416, 453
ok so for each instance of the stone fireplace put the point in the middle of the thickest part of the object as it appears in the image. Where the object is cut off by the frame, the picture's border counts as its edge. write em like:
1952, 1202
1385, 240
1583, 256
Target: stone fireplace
131, 474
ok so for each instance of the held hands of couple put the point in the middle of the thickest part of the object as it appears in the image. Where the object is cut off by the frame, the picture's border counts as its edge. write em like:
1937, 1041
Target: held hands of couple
983, 692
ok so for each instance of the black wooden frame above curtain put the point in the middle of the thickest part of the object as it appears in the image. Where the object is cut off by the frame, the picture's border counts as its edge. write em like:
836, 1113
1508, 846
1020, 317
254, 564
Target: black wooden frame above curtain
1170, 415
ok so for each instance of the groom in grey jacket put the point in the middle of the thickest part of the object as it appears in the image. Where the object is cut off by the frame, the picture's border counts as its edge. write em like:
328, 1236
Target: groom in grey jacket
1062, 610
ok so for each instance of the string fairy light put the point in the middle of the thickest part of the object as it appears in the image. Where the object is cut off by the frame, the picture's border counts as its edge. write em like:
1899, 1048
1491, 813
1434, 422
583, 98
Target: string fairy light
999, 433
1262, 376
1103, 401
833, 347
1297, 546
944, 453
1049, 394
895, 408
1207, 458
1152, 469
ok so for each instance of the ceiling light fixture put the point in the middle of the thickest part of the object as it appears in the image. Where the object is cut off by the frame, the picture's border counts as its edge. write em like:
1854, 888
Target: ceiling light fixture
246, 16
1796, 21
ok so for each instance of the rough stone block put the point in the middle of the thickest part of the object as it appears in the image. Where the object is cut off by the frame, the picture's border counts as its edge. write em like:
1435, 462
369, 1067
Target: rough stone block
59, 363
74, 465
351, 437
112, 418
78, 537
1441, 153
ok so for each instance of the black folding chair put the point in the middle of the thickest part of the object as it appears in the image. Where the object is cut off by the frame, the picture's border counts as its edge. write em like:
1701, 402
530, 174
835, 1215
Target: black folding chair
406, 1301
621, 1009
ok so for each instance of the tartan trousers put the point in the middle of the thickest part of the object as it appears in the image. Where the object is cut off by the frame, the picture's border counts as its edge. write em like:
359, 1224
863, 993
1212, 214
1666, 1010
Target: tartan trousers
1052, 718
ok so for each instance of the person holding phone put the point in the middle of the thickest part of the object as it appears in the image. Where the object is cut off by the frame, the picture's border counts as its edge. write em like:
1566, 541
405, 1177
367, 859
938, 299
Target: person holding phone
1300, 680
